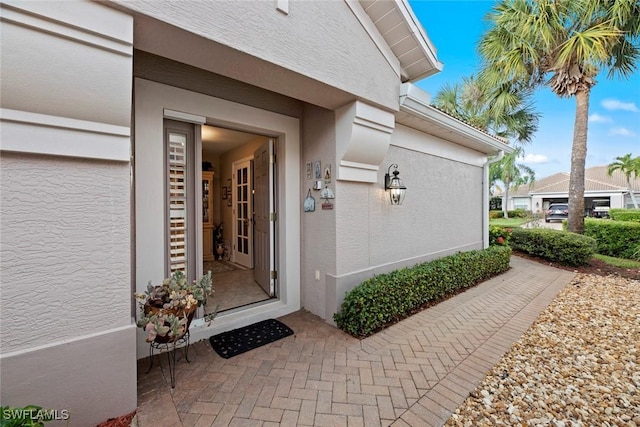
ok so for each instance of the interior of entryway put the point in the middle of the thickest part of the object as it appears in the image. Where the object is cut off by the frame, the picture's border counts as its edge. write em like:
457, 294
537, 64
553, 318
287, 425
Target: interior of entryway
238, 190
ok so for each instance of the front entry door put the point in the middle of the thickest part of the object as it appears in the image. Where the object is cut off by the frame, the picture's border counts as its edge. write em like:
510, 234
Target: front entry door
243, 244
264, 270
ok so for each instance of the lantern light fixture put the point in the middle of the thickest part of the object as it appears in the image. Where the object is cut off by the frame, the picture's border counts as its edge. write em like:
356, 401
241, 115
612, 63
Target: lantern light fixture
394, 185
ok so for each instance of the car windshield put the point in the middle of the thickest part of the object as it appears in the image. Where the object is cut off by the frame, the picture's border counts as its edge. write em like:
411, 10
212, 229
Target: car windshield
559, 207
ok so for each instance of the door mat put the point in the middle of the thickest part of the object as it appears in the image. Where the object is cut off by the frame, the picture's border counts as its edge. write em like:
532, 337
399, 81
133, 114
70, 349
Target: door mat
238, 341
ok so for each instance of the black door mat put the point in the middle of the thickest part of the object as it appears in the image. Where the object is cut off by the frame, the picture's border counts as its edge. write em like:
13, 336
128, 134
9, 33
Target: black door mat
238, 341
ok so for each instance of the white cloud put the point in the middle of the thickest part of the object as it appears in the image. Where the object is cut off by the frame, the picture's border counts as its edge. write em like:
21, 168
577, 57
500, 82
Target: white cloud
597, 118
614, 104
533, 158
622, 132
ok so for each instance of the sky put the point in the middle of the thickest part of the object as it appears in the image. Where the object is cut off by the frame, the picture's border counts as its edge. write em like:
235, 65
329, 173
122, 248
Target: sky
456, 26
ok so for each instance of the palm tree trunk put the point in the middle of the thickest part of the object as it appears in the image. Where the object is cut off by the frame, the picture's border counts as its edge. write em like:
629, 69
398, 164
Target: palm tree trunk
505, 206
633, 199
578, 157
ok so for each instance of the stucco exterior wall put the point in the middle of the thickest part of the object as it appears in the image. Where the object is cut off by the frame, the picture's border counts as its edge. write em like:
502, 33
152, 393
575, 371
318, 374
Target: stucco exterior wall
65, 259
441, 213
317, 236
320, 40
67, 337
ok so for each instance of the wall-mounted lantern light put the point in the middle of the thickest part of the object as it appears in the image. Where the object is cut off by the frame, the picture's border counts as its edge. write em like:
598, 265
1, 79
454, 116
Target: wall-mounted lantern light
394, 186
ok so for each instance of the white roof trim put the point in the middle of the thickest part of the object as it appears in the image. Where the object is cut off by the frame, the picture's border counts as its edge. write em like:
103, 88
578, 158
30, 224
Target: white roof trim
421, 38
412, 31
375, 35
415, 103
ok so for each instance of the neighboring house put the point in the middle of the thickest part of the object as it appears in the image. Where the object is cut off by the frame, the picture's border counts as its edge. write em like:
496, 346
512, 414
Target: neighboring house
130, 128
600, 190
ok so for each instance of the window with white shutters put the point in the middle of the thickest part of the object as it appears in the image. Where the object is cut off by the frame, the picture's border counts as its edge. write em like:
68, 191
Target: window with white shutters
177, 201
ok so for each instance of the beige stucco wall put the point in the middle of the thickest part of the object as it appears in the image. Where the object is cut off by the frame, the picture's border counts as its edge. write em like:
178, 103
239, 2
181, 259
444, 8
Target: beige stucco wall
65, 259
441, 213
317, 236
68, 341
317, 49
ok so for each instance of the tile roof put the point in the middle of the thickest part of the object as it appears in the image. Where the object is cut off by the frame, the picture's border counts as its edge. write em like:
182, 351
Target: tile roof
596, 178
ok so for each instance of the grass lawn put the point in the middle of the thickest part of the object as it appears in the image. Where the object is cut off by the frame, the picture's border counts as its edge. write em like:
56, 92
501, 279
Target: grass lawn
509, 222
618, 262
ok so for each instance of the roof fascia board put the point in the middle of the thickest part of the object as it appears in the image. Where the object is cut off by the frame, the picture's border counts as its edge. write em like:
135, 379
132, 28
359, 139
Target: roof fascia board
415, 101
423, 40
371, 29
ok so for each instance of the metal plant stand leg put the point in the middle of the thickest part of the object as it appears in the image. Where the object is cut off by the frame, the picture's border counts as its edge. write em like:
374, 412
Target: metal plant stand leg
150, 358
170, 348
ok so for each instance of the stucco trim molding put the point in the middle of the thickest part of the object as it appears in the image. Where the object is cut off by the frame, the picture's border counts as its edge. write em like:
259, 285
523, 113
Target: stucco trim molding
44, 18
27, 132
363, 136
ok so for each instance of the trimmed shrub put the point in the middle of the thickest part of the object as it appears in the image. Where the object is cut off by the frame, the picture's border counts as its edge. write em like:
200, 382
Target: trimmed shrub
555, 245
625, 214
496, 214
519, 213
387, 298
499, 235
620, 239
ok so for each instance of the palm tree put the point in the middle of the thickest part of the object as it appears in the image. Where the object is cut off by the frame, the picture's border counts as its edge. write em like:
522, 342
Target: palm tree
512, 174
563, 44
505, 111
627, 165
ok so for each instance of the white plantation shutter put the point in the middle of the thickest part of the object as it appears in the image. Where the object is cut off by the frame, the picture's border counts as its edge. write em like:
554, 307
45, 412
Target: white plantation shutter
177, 198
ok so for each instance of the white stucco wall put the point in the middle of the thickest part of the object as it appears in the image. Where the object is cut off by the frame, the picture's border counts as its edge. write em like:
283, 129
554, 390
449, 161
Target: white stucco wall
322, 42
67, 337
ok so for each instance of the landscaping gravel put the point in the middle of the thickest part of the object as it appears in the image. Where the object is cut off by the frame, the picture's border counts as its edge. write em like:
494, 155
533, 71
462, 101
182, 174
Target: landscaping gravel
578, 364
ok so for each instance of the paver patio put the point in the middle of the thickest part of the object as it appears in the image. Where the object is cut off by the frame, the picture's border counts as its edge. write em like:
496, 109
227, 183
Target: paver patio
415, 373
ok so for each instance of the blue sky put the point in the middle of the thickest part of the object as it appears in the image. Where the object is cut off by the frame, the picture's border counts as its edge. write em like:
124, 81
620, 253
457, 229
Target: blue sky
455, 27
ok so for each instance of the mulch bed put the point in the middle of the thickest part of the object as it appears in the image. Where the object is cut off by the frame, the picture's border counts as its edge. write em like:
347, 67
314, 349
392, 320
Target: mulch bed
123, 421
596, 267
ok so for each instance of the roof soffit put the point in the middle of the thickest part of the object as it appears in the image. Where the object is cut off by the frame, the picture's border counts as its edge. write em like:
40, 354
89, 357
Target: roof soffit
403, 35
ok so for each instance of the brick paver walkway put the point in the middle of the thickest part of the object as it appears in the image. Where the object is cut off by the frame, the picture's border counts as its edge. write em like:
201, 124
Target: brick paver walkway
414, 373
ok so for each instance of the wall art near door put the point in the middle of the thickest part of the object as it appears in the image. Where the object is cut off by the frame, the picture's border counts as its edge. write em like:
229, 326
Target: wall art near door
309, 202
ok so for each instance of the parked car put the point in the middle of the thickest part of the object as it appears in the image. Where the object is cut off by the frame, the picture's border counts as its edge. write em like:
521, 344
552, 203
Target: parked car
557, 211
600, 212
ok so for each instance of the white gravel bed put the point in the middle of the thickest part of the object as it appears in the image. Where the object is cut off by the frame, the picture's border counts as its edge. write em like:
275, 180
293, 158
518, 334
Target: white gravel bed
578, 364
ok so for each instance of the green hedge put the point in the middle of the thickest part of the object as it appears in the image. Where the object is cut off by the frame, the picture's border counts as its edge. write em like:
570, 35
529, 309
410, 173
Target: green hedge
555, 245
620, 239
387, 298
519, 213
625, 214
